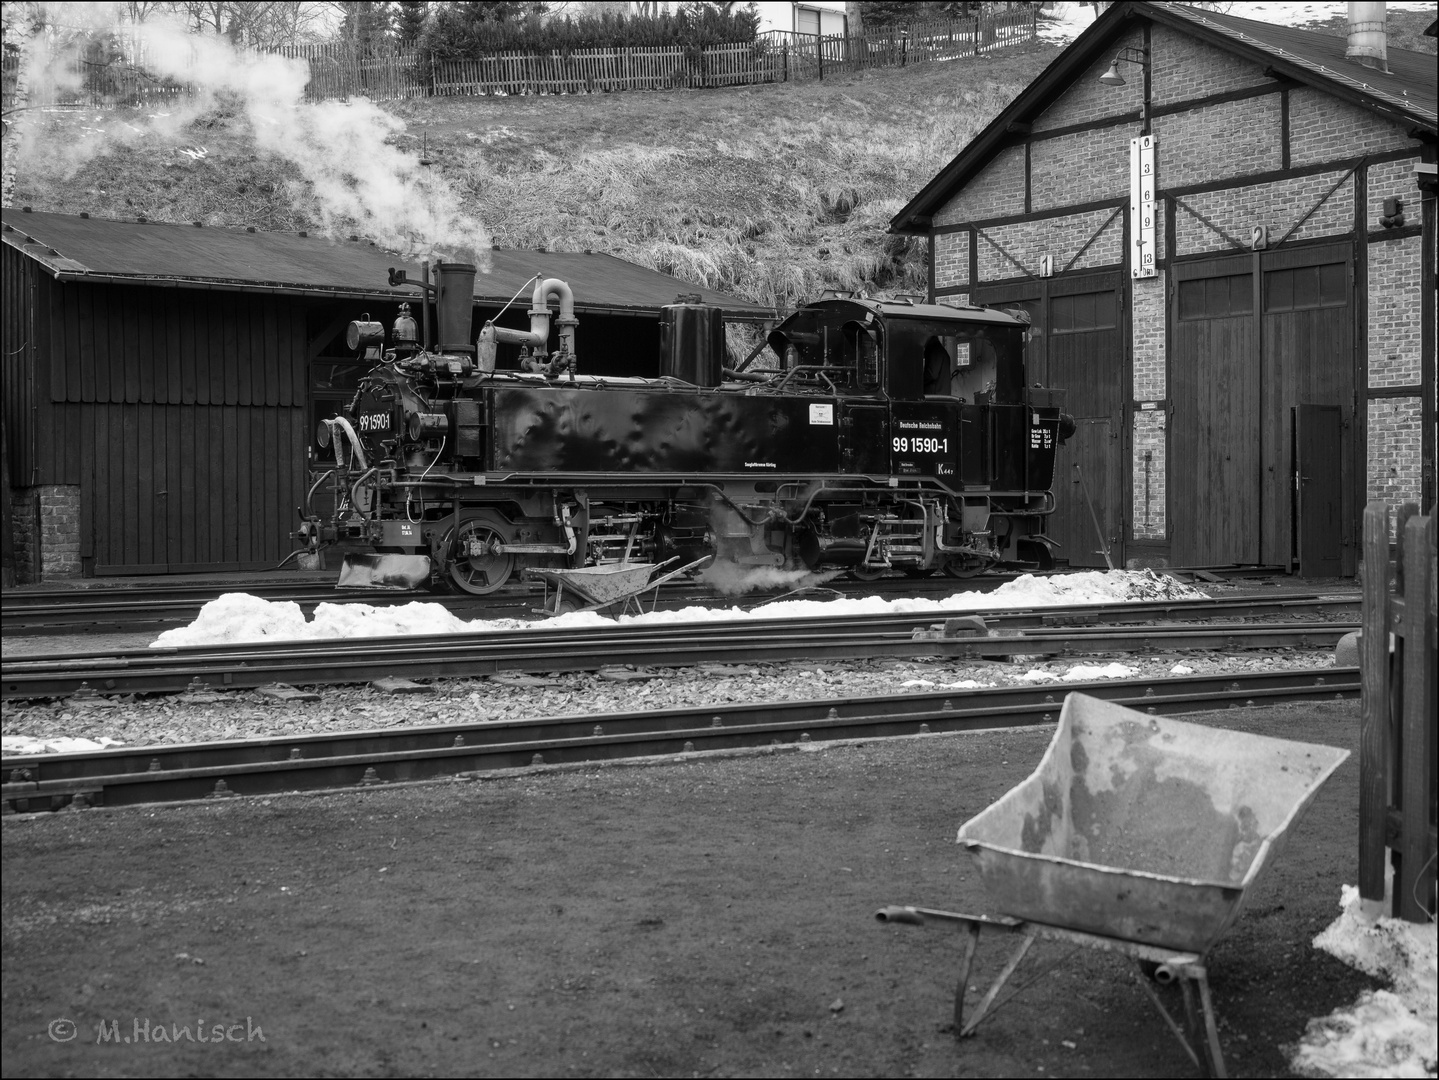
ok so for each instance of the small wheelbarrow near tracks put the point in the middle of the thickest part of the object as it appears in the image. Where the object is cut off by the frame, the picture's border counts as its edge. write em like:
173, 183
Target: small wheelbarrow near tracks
613, 589
1137, 835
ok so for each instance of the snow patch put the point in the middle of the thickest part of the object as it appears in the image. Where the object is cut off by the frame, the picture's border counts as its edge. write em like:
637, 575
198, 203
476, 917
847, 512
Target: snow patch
1084, 672
21, 745
239, 617
1385, 1032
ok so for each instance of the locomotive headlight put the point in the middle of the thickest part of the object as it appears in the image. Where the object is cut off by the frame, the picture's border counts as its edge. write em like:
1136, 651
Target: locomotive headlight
322, 434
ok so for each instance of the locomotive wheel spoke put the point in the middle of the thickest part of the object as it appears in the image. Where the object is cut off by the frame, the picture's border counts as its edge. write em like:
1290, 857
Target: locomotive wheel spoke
485, 572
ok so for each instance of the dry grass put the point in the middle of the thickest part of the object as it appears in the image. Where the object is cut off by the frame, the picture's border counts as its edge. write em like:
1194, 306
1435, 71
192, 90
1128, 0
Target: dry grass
773, 193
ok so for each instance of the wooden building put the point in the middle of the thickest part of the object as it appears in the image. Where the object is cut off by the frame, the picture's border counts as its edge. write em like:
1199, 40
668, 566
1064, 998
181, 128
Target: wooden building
1224, 233
163, 383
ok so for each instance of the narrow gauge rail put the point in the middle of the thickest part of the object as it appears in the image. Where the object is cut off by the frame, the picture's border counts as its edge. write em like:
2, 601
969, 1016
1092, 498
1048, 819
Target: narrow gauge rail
1051, 631
267, 766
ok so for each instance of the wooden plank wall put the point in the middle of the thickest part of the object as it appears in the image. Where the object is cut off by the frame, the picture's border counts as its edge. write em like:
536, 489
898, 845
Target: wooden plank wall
182, 416
17, 280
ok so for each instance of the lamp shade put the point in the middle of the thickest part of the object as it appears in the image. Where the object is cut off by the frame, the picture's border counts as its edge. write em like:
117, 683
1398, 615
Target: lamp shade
1112, 76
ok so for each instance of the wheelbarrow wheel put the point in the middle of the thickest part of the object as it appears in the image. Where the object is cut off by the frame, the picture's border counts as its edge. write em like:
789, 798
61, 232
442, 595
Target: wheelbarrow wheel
476, 567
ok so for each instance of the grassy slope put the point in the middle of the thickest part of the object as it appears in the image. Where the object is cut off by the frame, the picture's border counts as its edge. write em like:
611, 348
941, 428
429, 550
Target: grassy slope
770, 192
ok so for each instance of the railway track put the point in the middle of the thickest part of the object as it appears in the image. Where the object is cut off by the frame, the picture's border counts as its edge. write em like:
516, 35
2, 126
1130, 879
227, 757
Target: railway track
1058, 631
120, 777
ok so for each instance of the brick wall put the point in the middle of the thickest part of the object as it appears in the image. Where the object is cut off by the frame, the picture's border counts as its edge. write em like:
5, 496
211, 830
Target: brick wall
47, 532
1084, 167
1394, 302
1061, 237
1388, 178
1184, 68
1148, 515
1089, 99
1278, 205
1323, 128
1394, 437
1234, 138
1148, 322
997, 191
951, 259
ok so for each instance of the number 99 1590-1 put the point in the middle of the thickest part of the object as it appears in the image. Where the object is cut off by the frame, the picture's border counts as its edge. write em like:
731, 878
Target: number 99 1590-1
920, 444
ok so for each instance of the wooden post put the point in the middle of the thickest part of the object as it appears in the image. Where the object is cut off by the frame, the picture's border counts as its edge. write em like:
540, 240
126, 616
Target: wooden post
1414, 873
1374, 709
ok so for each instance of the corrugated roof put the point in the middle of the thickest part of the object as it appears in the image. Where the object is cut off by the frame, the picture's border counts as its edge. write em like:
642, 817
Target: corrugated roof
1408, 93
97, 249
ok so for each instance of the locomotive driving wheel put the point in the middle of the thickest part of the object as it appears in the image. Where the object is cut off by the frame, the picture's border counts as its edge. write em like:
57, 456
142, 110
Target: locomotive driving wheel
476, 565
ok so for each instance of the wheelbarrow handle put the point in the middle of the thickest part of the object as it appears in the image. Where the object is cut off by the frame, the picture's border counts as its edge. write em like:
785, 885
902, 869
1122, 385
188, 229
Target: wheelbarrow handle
896, 914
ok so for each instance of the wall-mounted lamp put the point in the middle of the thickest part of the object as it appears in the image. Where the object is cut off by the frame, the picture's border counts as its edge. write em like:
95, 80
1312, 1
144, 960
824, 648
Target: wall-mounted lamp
1126, 55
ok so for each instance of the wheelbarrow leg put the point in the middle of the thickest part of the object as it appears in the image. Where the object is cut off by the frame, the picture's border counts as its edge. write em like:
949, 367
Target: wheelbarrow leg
1009, 968
971, 942
1141, 976
1211, 1029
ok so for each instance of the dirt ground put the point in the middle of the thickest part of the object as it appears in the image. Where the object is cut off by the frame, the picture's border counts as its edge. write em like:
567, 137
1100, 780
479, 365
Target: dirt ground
713, 916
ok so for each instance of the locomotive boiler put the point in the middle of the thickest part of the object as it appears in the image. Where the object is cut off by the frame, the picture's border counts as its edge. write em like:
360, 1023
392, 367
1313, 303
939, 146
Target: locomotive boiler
876, 435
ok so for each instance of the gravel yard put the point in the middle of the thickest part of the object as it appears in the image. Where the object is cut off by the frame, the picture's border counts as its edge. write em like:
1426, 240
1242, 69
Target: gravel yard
137, 721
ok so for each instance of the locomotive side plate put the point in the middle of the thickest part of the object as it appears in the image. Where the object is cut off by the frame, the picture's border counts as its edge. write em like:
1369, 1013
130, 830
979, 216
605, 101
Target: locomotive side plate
924, 438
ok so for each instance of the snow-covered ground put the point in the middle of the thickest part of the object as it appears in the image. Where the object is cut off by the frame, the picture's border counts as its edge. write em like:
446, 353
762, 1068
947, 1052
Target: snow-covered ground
1072, 19
1386, 1032
240, 617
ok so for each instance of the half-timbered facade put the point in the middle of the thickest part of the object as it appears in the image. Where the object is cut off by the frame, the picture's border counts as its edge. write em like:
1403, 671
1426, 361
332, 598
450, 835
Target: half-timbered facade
1223, 231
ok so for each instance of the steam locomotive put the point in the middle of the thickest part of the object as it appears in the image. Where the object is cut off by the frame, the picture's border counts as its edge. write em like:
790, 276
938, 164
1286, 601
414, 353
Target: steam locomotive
879, 435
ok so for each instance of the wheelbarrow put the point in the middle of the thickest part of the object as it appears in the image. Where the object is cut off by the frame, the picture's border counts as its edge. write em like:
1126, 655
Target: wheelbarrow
616, 586
1138, 835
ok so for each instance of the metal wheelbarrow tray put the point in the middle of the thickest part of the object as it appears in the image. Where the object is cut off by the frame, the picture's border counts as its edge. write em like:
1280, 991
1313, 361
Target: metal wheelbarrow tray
1141, 827
595, 587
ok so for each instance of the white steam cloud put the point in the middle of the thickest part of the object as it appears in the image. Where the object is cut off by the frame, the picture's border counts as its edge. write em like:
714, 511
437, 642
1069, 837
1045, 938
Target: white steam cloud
346, 150
731, 579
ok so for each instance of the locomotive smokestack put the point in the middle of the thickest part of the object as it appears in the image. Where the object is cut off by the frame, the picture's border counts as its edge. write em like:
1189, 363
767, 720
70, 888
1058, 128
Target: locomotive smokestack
455, 301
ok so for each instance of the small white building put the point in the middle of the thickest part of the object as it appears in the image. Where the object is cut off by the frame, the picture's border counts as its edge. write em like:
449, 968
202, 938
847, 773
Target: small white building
822, 17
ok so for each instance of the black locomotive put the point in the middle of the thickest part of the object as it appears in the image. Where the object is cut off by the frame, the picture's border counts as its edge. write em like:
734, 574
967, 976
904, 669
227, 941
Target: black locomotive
881, 435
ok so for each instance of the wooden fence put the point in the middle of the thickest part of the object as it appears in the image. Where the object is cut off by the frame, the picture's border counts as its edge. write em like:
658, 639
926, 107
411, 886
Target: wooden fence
775, 56
1397, 797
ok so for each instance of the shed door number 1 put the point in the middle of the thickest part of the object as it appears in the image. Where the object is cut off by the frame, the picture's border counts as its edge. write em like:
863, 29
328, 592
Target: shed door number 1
1141, 207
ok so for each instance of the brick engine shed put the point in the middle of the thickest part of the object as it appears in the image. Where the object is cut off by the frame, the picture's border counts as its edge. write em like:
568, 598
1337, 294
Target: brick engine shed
1201, 213
163, 383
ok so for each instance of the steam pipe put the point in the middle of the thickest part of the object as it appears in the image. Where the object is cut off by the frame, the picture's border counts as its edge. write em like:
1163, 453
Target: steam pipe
425, 307
538, 335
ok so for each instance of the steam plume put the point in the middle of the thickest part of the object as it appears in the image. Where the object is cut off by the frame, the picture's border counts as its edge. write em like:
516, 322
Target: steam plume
346, 150
731, 579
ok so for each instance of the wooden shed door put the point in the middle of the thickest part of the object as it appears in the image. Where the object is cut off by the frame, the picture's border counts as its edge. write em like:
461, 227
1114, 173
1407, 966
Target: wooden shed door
1214, 451
1086, 358
1305, 356
1245, 355
1076, 347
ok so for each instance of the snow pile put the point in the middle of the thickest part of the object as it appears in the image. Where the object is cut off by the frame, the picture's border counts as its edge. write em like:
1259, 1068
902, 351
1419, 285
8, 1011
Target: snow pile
1386, 1032
239, 617
60, 744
